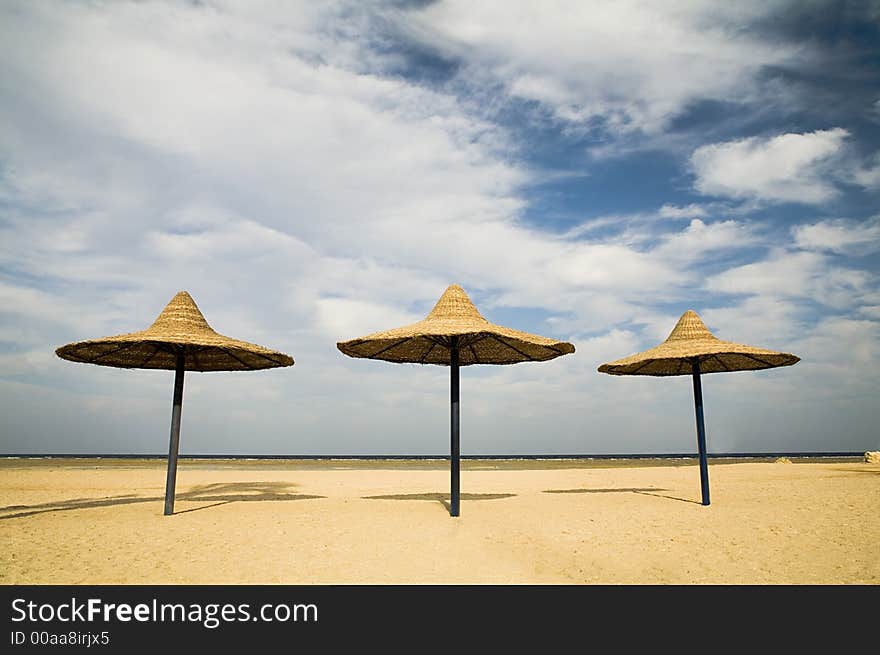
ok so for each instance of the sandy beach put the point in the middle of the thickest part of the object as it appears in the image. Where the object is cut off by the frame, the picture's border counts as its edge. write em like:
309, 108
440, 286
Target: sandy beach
84, 521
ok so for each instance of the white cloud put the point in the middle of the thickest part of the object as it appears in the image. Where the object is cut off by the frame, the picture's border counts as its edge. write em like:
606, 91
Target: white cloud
700, 238
785, 168
766, 321
869, 176
620, 63
840, 236
692, 210
786, 274
843, 342
870, 311
839, 355
351, 318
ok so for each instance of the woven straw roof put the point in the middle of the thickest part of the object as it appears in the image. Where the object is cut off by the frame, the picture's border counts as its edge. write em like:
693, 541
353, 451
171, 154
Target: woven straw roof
179, 326
454, 315
689, 340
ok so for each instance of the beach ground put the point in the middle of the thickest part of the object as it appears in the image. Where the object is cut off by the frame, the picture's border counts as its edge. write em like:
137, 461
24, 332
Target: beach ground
329, 522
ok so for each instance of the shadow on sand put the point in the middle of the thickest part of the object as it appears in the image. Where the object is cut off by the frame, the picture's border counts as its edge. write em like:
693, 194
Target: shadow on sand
647, 491
868, 471
442, 498
216, 494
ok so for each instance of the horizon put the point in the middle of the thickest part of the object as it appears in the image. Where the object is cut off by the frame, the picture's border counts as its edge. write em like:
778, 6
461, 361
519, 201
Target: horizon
164, 456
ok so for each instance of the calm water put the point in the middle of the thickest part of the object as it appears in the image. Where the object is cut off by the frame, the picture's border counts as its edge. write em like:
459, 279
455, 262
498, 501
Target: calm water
407, 463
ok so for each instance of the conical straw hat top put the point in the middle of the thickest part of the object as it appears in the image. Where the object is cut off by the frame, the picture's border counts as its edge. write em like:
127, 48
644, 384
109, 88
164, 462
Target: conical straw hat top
455, 306
690, 340
180, 327
480, 342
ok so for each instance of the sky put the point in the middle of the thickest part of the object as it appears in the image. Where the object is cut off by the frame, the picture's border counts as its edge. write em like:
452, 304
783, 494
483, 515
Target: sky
311, 172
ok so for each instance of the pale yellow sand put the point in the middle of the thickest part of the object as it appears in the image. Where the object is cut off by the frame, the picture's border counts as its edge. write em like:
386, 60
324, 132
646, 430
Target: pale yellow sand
92, 522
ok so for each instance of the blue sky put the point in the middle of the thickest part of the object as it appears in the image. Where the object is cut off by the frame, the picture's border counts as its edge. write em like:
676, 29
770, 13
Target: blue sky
314, 171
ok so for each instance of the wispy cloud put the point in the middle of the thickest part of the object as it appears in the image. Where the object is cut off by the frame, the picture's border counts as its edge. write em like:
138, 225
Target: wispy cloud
616, 66
789, 274
868, 175
840, 236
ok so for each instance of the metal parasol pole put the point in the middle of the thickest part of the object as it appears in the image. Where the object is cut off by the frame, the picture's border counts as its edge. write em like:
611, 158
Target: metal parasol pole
455, 453
175, 433
701, 431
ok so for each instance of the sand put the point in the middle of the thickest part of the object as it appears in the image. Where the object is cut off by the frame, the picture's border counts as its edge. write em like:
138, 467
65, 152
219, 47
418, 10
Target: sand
101, 522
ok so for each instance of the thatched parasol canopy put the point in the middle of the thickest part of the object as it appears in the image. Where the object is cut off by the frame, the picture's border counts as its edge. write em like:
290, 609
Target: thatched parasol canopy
455, 334
689, 340
479, 342
180, 326
690, 349
179, 340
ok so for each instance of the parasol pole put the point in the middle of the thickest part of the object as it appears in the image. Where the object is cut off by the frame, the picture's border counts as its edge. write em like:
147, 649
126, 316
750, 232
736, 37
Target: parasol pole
455, 453
175, 433
701, 430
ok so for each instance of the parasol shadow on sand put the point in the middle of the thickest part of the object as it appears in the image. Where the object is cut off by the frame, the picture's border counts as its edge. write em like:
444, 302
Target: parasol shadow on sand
455, 334
218, 494
180, 339
691, 349
645, 491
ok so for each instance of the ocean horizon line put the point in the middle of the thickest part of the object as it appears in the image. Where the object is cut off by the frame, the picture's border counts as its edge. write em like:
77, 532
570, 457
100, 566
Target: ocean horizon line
746, 455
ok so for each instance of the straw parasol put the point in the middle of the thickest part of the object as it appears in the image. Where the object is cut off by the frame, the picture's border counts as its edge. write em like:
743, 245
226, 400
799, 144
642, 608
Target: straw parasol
690, 349
179, 340
455, 334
